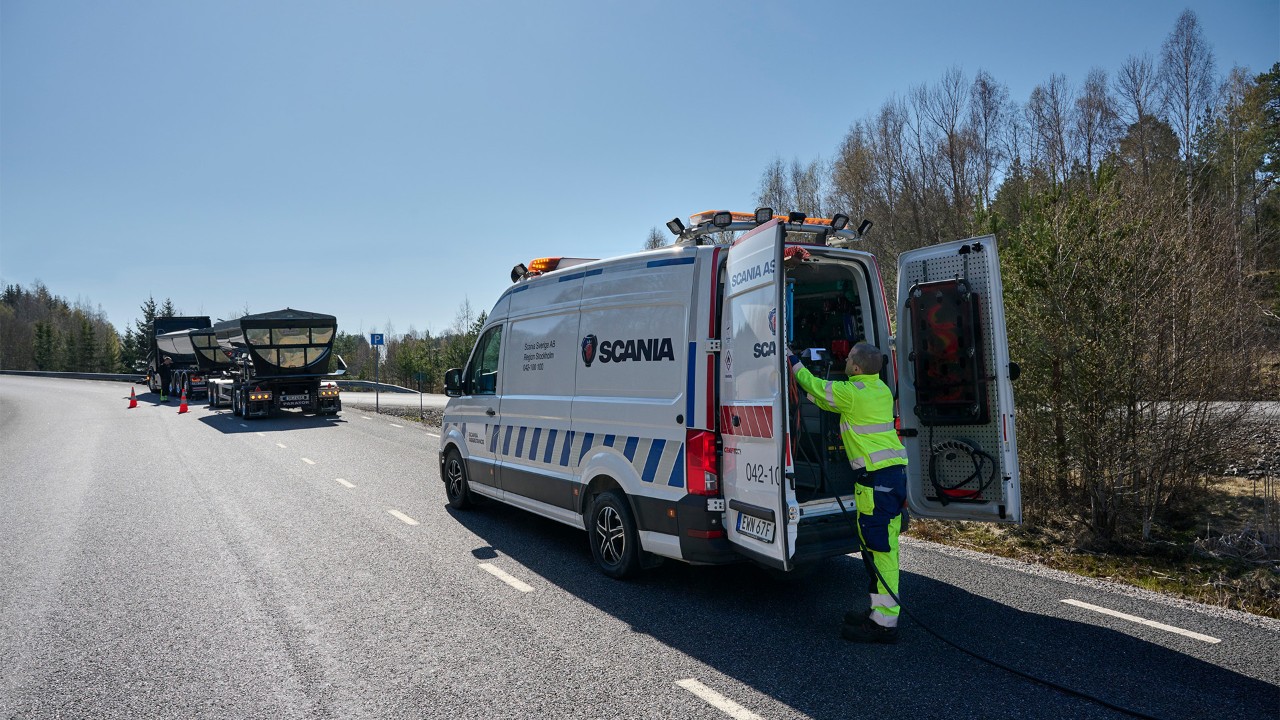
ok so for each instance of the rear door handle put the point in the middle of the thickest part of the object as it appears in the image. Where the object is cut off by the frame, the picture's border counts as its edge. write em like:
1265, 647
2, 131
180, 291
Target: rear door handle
490, 412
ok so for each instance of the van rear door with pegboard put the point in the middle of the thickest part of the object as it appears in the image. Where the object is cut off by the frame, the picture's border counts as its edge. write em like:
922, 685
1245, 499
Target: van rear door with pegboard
955, 391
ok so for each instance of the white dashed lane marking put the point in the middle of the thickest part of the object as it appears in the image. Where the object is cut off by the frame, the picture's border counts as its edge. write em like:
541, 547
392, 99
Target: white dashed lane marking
366, 418
343, 483
404, 518
243, 425
281, 445
395, 425
505, 577
308, 461
1143, 621
717, 701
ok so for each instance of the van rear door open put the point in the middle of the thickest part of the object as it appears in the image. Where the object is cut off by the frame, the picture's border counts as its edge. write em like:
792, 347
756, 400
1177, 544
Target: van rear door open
761, 513
955, 394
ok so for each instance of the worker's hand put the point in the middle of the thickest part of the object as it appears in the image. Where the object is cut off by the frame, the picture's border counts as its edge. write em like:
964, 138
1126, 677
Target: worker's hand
793, 360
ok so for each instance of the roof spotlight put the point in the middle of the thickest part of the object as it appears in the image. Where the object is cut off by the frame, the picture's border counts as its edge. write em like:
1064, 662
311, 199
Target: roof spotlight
839, 221
864, 227
722, 219
675, 226
763, 215
518, 272
796, 217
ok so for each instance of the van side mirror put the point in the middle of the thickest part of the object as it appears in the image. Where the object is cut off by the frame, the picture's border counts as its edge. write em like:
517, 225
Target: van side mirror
453, 382
1015, 371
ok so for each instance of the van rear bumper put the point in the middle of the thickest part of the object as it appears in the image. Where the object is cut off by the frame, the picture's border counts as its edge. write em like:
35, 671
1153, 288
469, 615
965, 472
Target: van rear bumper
696, 523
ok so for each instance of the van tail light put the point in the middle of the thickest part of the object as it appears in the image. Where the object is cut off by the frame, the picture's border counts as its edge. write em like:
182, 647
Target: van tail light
700, 462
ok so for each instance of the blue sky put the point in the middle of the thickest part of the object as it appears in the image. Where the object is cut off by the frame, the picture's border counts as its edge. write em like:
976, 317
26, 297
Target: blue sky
384, 161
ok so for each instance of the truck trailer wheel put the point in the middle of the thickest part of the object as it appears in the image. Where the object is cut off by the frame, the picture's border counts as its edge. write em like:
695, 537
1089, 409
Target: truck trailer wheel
236, 408
456, 487
614, 542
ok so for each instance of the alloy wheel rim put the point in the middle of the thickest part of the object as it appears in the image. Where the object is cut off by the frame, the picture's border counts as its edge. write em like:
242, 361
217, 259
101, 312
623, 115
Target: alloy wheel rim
455, 478
610, 538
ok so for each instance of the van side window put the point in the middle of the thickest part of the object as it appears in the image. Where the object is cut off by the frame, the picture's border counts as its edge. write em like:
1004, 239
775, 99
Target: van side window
482, 375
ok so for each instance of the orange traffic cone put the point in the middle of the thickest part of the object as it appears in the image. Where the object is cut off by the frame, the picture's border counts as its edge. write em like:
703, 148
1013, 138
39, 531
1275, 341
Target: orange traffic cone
183, 406
133, 399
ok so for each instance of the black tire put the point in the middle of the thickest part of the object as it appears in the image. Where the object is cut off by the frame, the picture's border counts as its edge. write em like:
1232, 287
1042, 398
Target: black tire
236, 408
614, 542
456, 487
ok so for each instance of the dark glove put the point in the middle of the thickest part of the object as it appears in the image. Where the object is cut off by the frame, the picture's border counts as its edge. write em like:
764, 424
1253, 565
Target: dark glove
792, 360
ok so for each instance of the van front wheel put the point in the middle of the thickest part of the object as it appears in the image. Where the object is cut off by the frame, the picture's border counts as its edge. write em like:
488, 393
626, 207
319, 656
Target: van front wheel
614, 543
456, 487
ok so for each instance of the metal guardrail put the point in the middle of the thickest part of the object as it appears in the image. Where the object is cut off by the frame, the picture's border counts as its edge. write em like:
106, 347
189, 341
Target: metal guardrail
119, 377
352, 385
369, 386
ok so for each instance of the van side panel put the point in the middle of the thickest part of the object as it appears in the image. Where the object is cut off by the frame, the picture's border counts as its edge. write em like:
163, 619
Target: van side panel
467, 426
539, 374
634, 354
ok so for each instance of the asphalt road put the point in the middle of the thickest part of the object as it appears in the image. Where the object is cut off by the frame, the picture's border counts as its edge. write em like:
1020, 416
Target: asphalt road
165, 565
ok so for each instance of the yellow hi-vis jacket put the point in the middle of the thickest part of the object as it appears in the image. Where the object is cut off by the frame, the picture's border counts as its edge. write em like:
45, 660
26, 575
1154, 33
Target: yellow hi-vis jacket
865, 405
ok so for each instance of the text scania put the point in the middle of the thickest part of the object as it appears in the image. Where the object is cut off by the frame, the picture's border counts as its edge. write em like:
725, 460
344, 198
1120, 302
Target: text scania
643, 349
751, 273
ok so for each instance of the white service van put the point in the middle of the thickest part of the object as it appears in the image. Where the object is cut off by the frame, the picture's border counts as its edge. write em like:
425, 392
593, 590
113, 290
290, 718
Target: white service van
645, 398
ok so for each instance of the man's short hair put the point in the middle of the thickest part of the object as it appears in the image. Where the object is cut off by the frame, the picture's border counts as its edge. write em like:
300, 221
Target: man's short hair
868, 357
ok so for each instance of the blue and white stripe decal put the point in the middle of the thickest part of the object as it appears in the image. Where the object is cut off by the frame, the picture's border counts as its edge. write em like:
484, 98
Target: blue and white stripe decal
671, 261
690, 383
655, 460
580, 275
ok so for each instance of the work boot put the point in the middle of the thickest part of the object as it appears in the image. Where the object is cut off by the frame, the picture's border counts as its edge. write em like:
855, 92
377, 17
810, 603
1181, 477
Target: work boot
855, 617
869, 631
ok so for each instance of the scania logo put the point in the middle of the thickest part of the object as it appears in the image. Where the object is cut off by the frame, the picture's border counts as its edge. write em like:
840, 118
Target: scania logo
616, 351
773, 321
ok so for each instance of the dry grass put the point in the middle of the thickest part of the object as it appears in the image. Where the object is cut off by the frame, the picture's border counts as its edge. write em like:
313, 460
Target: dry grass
1164, 566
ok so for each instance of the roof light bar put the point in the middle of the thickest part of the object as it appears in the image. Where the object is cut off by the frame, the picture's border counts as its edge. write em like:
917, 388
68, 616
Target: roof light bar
703, 225
543, 265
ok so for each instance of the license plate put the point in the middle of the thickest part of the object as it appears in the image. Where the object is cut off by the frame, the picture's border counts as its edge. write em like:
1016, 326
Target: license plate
295, 398
754, 527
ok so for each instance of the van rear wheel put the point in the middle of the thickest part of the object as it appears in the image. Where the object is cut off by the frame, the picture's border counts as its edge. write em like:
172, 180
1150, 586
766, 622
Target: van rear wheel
456, 487
614, 542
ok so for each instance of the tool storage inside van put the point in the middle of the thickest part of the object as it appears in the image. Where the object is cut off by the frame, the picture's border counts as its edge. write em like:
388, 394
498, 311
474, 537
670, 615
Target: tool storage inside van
828, 312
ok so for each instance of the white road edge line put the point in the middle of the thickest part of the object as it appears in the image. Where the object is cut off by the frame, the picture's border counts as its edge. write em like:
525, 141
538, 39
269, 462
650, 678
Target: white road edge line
366, 418
262, 434
344, 483
405, 518
1142, 621
505, 577
243, 425
308, 461
281, 445
717, 701
395, 425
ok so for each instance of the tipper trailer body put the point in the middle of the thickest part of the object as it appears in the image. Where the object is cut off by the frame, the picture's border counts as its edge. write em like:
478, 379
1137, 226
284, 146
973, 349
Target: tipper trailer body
276, 360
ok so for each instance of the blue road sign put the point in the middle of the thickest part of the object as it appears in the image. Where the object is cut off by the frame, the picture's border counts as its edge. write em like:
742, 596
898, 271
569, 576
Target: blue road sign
375, 338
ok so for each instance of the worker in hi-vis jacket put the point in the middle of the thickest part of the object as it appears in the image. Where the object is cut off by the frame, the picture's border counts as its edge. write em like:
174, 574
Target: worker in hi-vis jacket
865, 405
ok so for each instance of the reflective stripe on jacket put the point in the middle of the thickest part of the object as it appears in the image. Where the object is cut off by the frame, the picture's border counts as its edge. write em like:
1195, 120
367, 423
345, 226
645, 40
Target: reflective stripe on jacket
865, 405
